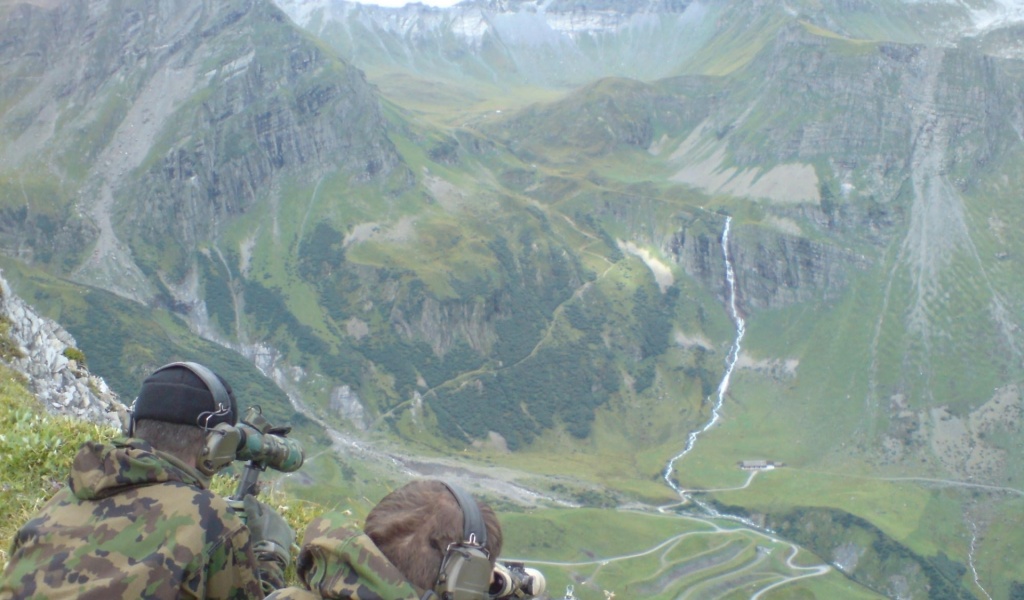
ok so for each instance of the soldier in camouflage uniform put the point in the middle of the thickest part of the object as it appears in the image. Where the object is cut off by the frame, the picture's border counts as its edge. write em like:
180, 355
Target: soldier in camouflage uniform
136, 519
339, 561
399, 555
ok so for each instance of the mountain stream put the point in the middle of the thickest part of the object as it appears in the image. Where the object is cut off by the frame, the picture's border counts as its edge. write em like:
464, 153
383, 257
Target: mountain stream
730, 364
723, 387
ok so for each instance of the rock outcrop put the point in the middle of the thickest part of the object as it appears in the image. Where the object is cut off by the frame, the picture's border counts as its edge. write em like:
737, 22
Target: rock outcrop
62, 384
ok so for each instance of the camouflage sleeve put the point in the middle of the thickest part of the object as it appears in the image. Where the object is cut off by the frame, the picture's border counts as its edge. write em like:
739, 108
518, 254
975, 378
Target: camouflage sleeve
271, 570
232, 569
340, 562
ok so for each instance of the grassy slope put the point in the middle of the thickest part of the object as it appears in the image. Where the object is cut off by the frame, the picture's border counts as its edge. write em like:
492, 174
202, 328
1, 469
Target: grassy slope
35, 454
655, 556
36, 450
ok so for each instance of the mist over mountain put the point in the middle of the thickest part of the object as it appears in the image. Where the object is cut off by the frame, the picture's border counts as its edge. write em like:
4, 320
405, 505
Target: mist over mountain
570, 42
497, 228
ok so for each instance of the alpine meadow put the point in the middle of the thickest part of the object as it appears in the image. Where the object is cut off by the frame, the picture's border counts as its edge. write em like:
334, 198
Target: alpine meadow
708, 298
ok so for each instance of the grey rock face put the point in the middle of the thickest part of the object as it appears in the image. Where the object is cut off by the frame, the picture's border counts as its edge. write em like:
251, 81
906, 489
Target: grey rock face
61, 384
210, 105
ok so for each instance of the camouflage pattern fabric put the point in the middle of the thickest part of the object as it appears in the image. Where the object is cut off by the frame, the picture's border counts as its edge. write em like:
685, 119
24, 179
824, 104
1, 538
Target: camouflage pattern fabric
338, 562
132, 523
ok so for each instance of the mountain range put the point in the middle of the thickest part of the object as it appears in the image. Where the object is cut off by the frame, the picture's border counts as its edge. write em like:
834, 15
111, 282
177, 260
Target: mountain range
498, 229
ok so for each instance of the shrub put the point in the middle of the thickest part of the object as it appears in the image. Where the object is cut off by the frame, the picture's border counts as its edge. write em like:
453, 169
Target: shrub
75, 354
9, 349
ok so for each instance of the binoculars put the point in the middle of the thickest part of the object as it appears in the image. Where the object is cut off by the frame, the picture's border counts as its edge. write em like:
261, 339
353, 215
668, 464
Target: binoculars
254, 440
269, 449
516, 580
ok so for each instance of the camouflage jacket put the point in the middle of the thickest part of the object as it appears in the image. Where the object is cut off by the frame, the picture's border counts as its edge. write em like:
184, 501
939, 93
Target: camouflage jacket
132, 523
339, 563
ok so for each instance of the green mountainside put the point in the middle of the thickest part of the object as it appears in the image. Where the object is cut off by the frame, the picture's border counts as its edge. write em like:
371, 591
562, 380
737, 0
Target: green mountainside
505, 242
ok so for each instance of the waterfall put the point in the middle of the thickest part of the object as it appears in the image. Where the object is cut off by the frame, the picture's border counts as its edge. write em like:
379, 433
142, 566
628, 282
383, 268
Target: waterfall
970, 559
730, 364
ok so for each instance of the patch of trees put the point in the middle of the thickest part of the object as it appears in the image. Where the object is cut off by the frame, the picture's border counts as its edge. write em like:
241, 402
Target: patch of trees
614, 253
823, 529
533, 287
322, 262
653, 313
700, 371
321, 253
445, 152
220, 304
267, 308
558, 386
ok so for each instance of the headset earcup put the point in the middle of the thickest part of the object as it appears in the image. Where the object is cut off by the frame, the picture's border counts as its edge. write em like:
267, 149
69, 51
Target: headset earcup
466, 569
220, 448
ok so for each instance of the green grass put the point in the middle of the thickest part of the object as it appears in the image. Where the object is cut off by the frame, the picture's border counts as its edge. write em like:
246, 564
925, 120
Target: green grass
1000, 548
36, 450
726, 54
39, 448
451, 103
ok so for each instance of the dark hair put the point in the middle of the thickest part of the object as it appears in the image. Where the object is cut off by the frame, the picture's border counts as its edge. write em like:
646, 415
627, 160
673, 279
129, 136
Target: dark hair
414, 525
183, 441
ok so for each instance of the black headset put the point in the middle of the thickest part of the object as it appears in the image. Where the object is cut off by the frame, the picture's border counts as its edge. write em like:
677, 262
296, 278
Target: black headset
466, 567
221, 398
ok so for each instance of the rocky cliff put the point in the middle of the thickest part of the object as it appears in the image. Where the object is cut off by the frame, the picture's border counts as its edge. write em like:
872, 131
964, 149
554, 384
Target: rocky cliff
161, 120
49, 358
567, 43
234, 170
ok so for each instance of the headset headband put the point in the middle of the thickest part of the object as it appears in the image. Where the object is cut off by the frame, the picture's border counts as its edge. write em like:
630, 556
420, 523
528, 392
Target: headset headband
473, 529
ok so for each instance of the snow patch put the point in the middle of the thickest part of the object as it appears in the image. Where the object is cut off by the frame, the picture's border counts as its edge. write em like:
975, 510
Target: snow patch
995, 13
